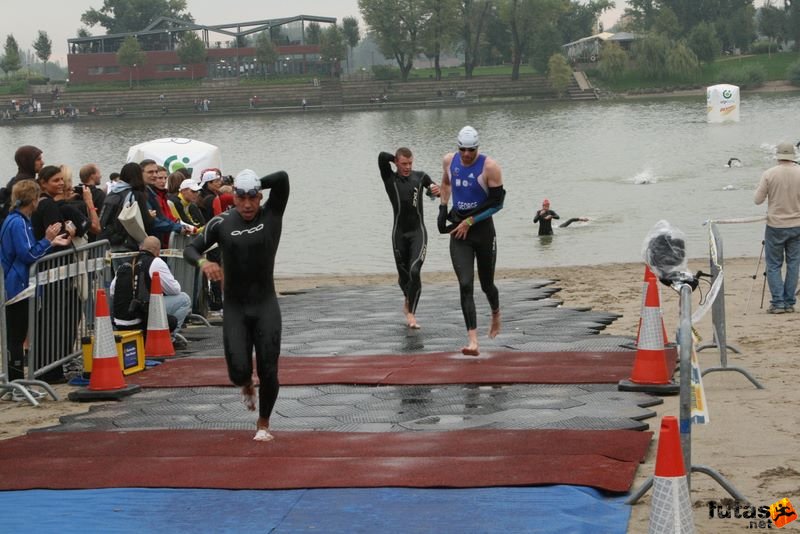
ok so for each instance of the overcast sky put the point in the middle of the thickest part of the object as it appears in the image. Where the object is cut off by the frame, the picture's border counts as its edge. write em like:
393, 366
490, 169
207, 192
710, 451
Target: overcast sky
61, 19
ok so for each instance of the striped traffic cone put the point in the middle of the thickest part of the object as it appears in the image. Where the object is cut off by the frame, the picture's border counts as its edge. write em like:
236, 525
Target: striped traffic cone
649, 278
671, 510
158, 343
650, 373
106, 381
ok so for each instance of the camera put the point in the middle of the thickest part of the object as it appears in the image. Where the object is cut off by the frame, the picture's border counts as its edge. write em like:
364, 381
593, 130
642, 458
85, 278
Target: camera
227, 180
78, 189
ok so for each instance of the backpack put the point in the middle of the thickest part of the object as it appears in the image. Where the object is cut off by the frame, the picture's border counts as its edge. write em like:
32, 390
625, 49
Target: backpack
131, 292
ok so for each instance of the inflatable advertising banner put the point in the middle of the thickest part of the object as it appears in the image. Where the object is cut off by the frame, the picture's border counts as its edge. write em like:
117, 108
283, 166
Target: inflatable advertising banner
175, 153
722, 103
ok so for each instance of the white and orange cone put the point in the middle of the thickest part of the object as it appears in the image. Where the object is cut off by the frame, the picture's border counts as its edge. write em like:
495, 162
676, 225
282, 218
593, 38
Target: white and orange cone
107, 381
671, 509
650, 372
158, 343
650, 278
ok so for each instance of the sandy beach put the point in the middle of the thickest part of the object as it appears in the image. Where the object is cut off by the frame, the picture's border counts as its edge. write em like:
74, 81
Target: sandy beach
753, 435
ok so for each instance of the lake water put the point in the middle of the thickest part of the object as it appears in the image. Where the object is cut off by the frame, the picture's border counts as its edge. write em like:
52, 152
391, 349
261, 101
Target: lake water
625, 165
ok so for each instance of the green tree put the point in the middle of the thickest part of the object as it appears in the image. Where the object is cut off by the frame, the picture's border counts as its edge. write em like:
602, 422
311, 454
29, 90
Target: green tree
333, 47
577, 19
123, 16
192, 50
524, 18
651, 55
704, 42
546, 41
313, 33
738, 29
559, 73
266, 54
682, 62
613, 61
666, 23
397, 26
44, 48
792, 8
352, 35
130, 55
473, 15
440, 30
642, 14
11, 61
772, 22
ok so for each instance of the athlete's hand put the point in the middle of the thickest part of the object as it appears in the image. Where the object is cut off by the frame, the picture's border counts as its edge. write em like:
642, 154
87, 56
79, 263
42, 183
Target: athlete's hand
460, 231
434, 189
212, 270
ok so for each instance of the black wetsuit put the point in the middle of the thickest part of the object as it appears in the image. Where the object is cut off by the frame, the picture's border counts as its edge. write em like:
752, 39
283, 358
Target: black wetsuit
252, 317
409, 236
480, 243
545, 225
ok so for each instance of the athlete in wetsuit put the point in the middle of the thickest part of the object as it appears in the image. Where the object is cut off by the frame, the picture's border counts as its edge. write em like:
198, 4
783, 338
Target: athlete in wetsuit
248, 237
476, 183
545, 218
409, 236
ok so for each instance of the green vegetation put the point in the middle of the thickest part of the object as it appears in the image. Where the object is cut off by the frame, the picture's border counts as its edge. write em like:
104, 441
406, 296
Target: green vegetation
774, 68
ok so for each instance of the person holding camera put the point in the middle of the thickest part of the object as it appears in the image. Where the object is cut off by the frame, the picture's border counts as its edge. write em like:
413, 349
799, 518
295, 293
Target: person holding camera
780, 187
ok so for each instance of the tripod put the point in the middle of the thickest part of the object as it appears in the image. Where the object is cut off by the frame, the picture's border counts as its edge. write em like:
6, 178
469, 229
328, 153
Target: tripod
754, 277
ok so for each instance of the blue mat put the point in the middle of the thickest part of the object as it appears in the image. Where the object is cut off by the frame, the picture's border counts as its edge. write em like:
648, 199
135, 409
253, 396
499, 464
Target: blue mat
550, 509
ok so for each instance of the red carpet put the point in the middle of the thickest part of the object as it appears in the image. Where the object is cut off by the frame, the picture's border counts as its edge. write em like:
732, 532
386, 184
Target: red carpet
230, 459
421, 369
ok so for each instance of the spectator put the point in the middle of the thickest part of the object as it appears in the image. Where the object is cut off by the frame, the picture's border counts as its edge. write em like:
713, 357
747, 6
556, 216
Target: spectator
223, 201
185, 203
176, 302
112, 179
156, 187
29, 163
78, 198
210, 182
18, 251
90, 176
780, 187
130, 187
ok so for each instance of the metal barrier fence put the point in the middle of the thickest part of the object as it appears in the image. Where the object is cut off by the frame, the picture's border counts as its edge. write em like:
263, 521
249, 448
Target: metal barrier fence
188, 276
720, 340
62, 289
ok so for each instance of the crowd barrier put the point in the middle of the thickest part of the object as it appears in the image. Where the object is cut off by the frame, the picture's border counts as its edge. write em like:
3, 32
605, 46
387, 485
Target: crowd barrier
62, 286
719, 339
60, 312
189, 277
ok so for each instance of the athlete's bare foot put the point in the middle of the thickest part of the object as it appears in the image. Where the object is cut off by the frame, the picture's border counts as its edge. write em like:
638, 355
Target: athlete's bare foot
494, 329
471, 349
262, 432
411, 321
249, 397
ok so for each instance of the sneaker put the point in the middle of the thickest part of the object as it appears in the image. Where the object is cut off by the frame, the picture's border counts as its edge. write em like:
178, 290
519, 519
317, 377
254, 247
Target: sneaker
789, 309
179, 344
776, 310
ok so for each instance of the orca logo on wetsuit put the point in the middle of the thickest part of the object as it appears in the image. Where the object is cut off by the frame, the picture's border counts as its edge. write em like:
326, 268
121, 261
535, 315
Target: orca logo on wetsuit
252, 230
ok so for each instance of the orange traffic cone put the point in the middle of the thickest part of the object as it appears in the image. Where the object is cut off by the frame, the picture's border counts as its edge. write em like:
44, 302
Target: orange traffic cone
106, 381
649, 278
671, 510
650, 367
158, 342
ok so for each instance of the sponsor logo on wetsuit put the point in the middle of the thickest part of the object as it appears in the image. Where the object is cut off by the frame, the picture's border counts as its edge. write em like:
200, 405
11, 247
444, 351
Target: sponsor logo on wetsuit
252, 230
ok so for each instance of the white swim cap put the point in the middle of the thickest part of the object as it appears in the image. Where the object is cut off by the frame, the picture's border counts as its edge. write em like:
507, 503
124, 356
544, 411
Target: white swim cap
468, 137
247, 180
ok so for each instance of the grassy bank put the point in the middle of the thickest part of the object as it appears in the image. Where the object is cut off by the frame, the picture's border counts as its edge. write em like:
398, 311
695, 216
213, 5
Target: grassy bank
774, 67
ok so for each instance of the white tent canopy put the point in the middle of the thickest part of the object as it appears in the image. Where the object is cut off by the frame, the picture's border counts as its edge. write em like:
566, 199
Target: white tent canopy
175, 152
